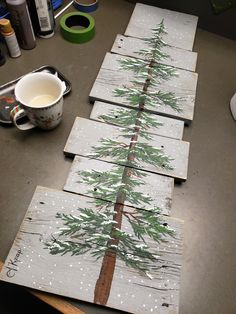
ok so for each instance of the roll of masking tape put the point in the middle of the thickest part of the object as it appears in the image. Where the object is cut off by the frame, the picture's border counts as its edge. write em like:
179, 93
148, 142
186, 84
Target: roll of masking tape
77, 27
86, 6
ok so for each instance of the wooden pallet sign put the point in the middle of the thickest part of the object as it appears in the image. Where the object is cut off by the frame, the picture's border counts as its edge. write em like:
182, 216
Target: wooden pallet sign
112, 79
105, 262
166, 126
181, 27
103, 141
89, 177
131, 47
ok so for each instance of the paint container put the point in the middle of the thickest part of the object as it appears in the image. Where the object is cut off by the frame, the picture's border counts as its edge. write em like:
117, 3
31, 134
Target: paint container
21, 23
10, 38
42, 16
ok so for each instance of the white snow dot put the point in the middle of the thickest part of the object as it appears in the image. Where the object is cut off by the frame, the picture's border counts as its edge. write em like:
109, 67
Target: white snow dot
118, 295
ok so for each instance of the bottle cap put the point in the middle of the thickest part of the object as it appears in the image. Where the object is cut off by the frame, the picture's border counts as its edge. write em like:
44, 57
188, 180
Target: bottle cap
5, 26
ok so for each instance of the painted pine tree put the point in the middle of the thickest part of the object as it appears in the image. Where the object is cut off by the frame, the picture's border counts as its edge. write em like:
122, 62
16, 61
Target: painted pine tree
100, 232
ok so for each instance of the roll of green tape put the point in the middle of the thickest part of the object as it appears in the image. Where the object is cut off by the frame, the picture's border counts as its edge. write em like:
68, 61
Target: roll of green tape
70, 24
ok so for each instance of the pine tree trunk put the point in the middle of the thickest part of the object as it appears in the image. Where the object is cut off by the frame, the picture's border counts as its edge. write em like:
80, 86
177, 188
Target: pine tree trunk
104, 282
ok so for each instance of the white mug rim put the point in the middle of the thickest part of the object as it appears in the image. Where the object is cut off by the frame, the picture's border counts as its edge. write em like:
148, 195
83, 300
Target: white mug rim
38, 74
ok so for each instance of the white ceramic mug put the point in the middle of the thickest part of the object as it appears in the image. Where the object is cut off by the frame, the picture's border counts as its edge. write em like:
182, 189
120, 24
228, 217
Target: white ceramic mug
40, 96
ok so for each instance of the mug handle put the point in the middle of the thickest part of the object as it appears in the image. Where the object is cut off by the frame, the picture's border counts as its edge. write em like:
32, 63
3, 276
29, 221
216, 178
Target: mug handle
17, 113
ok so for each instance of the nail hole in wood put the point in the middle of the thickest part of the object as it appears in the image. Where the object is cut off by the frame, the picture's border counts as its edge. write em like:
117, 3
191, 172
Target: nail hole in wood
165, 304
41, 202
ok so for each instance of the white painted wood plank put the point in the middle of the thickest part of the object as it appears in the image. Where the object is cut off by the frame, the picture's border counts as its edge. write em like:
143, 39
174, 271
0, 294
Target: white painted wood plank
181, 27
31, 265
86, 134
179, 58
112, 76
170, 127
158, 188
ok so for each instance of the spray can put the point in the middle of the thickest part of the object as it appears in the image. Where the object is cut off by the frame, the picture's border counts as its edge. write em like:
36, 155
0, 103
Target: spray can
10, 38
21, 22
42, 16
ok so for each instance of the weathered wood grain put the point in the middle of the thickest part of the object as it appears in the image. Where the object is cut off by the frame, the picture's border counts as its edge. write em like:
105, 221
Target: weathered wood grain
170, 127
54, 301
159, 188
179, 58
181, 27
75, 276
112, 76
86, 134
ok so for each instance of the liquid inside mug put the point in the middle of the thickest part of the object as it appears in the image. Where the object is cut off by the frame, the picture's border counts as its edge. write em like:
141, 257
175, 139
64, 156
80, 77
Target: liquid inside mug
40, 96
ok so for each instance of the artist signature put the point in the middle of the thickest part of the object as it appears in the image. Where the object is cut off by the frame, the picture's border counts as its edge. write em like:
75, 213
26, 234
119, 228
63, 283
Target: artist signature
12, 265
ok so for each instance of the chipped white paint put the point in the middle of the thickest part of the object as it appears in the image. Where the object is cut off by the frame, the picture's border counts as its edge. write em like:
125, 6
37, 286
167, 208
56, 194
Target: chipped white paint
112, 76
181, 27
179, 58
86, 134
170, 127
75, 276
158, 188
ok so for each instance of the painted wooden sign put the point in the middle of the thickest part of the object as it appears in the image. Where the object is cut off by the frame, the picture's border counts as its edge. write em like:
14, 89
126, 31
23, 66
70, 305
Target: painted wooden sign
181, 27
131, 47
88, 177
112, 79
66, 245
164, 126
110, 143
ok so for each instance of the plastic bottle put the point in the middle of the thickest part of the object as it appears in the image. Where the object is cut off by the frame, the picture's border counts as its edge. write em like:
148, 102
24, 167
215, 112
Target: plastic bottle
2, 58
21, 22
42, 16
10, 38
